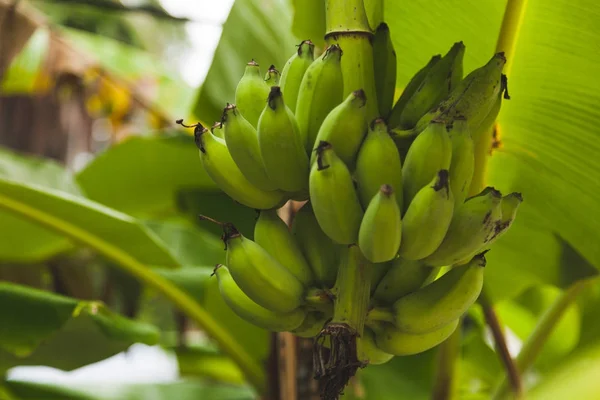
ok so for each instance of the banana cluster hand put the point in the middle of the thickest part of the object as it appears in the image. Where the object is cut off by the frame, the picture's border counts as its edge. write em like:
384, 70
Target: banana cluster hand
394, 190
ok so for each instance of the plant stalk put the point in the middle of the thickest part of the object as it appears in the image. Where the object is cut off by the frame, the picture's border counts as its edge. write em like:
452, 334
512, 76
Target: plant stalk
446, 381
347, 26
129, 264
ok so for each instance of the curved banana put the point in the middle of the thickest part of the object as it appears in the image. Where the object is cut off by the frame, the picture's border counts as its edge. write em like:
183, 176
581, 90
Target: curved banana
509, 206
321, 89
293, 72
442, 301
259, 275
399, 343
430, 152
273, 76
368, 351
217, 130
312, 325
380, 231
393, 119
333, 197
474, 96
403, 277
221, 168
378, 163
440, 80
384, 66
281, 146
427, 218
345, 127
462, 164
471, 224
251, 93
242, 141
319, 250
378, 271
273, 235
248, 310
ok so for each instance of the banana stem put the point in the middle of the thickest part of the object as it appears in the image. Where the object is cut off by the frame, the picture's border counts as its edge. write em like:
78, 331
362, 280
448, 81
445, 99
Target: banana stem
448, 358
347, 25
538, 338
377, 315
319, 299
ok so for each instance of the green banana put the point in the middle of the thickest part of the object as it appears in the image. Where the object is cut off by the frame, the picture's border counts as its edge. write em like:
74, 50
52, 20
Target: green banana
251, 93
509, 206
333, 197
368, 351
474, 96
403, 277
242, 141
259, 275
380, 231
345, 127
427, 218
378, 271
442, 301
312, 325
440, 80
281, 146
217, 130
272, 77
399, 343
384, 65
273, 235
378, 163
248, 310
471, 224
490, 119
430, 152
462, 164
321, 89
221, 168
293, 72
319, 250
393, 119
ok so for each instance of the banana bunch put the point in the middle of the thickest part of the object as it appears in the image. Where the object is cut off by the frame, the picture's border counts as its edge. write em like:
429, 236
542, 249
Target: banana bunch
397, 190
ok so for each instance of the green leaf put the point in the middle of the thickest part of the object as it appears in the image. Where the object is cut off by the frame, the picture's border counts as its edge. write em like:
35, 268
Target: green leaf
207, 363
30, 390
88, 218
23, 72
31, 315
253, 30
28, 242
141, 175
191, 279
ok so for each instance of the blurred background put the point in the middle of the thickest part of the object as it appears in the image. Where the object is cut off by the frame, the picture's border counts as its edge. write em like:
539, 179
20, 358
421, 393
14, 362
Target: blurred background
89, 94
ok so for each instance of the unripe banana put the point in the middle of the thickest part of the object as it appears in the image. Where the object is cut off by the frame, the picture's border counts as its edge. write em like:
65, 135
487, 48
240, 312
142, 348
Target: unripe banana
217, 130
345, 127
474, 96
399, 343
471, 224
430, 152
333, 197
248, 310
442, 301
440, 80
427, 218
368, 351
259, 275
378, 163
393, 119
509, 207
242, 141
273, 235
380, 231
251, 93
293, 72
319, 250
281, 146
321, 89
272, 77
403, 277
312, 325
378, 271
384, 65
462, 164
221, 168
